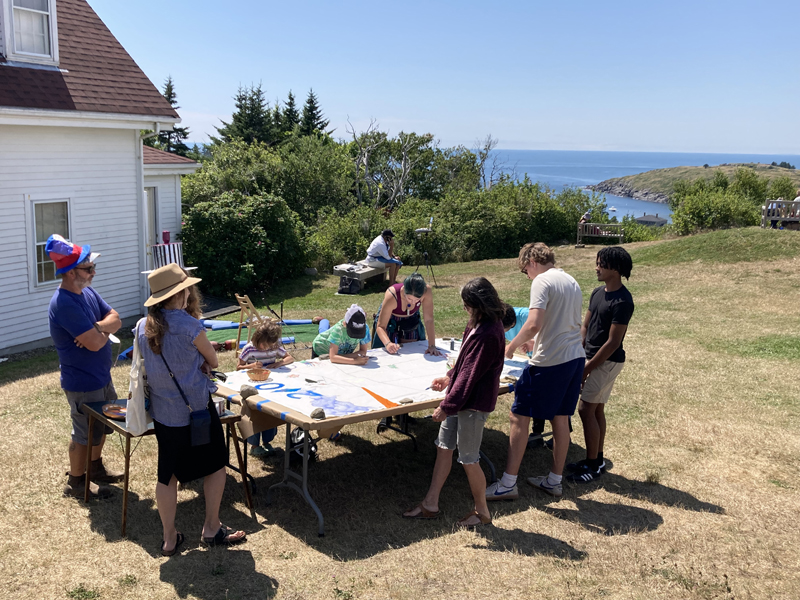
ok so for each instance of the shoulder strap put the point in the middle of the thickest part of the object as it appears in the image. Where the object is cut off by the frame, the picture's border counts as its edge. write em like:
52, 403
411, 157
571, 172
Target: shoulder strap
189, 406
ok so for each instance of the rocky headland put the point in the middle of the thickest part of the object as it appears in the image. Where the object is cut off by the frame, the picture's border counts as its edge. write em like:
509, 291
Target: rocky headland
620, 187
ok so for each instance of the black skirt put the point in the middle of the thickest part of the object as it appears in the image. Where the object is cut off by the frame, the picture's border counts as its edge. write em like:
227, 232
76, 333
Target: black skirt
177, 456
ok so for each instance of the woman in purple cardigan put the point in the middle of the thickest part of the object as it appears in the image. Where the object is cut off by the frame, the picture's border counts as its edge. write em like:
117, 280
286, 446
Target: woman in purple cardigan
472, 386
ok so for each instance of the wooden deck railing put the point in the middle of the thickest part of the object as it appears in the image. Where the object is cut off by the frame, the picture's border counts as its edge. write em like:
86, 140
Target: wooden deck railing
603, 230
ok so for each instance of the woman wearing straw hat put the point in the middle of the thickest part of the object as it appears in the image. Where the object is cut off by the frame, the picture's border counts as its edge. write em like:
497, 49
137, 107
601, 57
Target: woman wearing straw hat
176, 353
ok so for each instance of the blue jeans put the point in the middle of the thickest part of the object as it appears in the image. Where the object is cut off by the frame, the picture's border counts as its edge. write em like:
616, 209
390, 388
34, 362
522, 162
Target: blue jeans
386, 261
266, 436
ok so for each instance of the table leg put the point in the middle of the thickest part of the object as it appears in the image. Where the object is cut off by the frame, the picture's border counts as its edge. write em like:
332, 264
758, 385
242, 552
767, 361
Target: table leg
289, 474
88, 473
403, 429
125, 484
243, 471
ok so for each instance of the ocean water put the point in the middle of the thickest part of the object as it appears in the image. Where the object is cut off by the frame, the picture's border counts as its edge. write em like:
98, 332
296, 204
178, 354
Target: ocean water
562, 168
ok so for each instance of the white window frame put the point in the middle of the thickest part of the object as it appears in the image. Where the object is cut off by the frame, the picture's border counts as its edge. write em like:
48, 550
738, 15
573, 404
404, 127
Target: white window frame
10, 40
31, 200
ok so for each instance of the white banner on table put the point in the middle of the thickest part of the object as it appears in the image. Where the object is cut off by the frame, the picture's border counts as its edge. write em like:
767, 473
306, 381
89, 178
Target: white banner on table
341, 390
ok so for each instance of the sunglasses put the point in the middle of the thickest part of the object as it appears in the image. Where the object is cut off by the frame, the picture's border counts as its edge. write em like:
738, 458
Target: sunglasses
89, 270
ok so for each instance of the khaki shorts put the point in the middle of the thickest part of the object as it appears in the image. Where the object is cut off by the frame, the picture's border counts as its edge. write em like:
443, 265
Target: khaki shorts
80, 422
597, 387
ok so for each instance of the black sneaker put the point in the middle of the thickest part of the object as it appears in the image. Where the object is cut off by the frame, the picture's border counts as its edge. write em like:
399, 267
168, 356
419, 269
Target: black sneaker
584, 475
576, 466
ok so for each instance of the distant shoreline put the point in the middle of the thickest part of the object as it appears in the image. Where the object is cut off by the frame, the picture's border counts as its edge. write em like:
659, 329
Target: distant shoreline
617, 187
657, 185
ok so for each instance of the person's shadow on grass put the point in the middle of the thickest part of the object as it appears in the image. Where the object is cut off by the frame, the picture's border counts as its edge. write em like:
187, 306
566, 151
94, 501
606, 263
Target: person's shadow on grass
217, 573
608, 519
363, 492
144, 525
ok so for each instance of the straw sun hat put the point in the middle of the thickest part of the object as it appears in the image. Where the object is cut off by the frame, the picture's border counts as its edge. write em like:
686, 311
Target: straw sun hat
166, 282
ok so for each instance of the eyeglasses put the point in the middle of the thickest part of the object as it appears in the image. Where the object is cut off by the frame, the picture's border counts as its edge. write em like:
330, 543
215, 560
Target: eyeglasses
89, 270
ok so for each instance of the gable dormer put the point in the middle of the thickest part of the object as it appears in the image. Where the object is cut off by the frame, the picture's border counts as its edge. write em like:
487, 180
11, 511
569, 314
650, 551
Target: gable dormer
28, 31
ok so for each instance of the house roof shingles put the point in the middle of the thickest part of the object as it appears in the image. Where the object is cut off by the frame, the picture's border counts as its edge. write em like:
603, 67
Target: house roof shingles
101, 76
153, 156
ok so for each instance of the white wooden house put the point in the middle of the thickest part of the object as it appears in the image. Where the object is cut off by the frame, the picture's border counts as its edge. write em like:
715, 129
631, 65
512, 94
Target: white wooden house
72, 105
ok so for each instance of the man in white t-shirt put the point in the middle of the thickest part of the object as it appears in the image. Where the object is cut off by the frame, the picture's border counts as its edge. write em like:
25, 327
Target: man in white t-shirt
551, 383
382, 250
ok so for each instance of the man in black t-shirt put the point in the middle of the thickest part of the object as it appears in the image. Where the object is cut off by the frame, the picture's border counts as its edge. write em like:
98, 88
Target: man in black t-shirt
603, 329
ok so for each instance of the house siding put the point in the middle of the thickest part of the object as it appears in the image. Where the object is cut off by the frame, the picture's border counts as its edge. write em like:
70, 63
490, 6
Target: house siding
97, 170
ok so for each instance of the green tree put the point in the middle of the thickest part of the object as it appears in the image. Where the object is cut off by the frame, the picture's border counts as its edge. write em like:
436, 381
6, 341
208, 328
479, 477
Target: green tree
312, 121
782, 187
720, 181
250, 169
750, 185
290, 118
170, 141
316, 173
243, 243
252, 120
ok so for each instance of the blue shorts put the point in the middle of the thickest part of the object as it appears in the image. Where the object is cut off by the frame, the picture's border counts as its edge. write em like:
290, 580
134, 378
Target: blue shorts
547, 392
386, 261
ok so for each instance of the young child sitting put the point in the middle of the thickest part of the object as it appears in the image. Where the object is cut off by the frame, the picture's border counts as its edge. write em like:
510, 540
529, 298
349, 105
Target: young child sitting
264, 350
347, 341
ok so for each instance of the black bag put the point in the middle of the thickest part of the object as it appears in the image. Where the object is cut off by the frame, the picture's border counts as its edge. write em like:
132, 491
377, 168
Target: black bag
199, 420
349, 285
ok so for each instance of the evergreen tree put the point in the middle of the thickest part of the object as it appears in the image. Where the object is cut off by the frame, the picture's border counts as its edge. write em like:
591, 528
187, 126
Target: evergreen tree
170, 141
252, 120
313, 120
291, 117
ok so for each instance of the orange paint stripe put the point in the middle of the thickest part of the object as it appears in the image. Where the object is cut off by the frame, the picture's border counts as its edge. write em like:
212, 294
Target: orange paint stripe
381, 399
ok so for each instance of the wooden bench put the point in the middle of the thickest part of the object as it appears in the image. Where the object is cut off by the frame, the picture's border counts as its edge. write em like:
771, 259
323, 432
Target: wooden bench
602, 230
780, 211
362, 270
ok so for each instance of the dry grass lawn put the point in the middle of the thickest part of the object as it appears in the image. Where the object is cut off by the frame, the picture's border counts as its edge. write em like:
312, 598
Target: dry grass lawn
701, 501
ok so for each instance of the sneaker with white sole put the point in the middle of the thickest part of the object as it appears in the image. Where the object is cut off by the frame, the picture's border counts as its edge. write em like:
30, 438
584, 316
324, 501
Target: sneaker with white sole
545, 486
577, 466
584, 474
497, 492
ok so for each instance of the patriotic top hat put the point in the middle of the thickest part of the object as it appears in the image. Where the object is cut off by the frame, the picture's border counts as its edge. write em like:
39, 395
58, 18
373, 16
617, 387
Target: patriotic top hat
67, 255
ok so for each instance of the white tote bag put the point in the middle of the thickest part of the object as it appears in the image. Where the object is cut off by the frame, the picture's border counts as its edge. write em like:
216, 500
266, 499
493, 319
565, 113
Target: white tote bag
136, 417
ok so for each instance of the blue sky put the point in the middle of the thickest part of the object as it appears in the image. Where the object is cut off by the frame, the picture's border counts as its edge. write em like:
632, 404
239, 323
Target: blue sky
701, 76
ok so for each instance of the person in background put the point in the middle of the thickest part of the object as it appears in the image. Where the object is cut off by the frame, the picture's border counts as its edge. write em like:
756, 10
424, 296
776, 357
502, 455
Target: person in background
513, 320
398, 321
382, 250
604, 326
177, 355
80, 323
264, 350
398, 318
472, 386
347, 341
550, 385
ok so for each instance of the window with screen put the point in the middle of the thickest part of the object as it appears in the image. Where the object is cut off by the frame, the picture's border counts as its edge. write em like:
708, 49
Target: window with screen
49, 218
32, 27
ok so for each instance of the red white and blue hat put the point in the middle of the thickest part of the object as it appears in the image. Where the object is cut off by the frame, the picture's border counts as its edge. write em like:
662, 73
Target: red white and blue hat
67, 255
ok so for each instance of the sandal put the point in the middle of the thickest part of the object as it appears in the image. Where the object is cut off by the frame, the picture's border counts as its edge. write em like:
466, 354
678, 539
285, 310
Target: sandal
178, 542
226, 537
423, 513
468, 522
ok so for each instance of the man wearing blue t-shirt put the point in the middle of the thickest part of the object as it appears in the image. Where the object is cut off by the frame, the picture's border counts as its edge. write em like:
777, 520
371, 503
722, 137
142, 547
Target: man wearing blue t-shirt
80, 323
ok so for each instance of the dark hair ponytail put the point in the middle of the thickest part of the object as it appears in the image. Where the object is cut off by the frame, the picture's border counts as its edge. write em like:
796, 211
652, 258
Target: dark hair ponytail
415, 285
479, 295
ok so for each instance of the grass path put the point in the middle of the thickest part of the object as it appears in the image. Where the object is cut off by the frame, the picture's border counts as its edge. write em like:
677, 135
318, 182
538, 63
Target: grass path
701, 502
